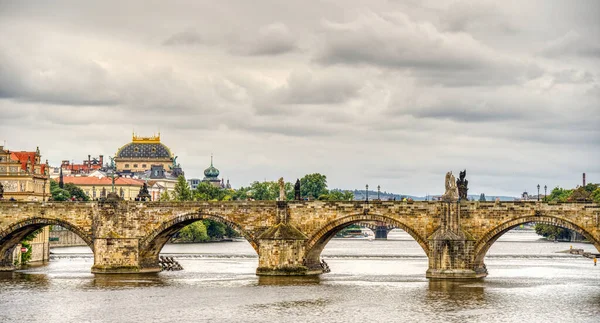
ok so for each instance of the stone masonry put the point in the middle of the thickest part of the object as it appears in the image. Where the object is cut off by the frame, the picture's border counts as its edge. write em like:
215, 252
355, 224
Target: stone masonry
126, 237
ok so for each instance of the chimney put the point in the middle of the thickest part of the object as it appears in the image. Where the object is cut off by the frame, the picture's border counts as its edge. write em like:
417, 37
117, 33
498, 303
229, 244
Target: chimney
583, 179
101, 160
89, 160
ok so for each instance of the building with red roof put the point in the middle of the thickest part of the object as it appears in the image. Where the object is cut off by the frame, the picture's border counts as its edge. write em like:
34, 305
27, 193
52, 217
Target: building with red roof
23, 176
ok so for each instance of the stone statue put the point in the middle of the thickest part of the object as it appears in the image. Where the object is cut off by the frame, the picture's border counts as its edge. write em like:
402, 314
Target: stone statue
451, 194
1, 191
144, 194
462, 184
281, 189
297, 195
121, 193
112, 162
103, 193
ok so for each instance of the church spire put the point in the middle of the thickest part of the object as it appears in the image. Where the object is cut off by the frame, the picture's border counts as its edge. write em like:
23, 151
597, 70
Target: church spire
61, 183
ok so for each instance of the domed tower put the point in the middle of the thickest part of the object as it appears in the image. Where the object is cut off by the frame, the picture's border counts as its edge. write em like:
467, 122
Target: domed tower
211, 174
142, 153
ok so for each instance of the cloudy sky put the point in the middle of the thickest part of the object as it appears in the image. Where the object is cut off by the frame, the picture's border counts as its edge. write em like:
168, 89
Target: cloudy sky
390, 93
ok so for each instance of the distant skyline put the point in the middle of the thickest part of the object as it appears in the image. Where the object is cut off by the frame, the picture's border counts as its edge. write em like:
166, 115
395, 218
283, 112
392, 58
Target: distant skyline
389, 93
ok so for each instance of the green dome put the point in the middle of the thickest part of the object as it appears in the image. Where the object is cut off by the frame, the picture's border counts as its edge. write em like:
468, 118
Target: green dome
211, 173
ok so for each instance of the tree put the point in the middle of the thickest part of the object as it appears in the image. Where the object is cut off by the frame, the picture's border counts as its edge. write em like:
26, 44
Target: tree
58, 194
182, 191
208, 192
313, 185
77, 192
559, 195
552, 232
164, 197
264, 191
482, 198
337, 195
596, 195
195, 232
215, 229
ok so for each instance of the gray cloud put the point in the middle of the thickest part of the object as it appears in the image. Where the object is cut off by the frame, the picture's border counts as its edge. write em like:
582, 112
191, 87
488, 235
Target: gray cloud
572, 43
272, 39
397, 41
188, 37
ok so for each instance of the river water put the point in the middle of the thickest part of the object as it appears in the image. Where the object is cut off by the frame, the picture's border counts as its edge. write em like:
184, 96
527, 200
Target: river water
371, 281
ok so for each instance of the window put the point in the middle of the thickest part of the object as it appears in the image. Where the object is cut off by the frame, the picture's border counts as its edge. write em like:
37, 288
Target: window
135, 165
154, 149
143, 165
136, 149
126, 165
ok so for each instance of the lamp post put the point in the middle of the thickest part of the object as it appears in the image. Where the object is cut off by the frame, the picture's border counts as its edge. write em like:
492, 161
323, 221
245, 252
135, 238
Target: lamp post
367, 193
538, 192
378, 188
545, 191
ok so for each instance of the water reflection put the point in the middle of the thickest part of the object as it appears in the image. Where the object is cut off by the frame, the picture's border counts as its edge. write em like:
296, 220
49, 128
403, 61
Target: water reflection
288, 280
124, 281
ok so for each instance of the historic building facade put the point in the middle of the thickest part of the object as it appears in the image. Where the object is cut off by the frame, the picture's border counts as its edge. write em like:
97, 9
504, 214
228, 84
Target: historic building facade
95, 187
142, 153
23, 176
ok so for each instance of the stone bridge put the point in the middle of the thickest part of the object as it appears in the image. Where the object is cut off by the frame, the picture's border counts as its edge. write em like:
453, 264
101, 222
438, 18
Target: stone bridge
126, 237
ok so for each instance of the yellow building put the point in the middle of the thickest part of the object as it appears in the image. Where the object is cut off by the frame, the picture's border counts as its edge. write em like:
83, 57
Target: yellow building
22, 176
142, 153
126, 188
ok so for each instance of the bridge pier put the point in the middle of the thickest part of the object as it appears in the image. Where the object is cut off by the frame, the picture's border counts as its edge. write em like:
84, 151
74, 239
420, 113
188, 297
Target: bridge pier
381, 232
118, 256
451, 249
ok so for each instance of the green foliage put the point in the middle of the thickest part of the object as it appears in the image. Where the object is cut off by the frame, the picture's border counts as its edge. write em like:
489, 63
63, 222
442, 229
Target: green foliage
58, 194
559, 195
164, 197
195, 232
552, 232
312, 186
182, 191
26, 256
69, 190
337, 195
215, 229
482, 198
76, 191
208, 192
596, 195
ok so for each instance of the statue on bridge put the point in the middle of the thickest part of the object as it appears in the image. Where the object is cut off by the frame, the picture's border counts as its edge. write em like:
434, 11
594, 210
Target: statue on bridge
144, 194
281, 189
462, 184
451, 194
1, 191
297, 195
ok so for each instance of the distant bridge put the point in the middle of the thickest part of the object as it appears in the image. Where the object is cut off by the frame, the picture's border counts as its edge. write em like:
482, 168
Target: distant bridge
126, 237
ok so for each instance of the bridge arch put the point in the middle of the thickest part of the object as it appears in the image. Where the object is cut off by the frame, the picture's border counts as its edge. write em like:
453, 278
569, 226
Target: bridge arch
14, 233
483, 245
151, 245
317, 242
